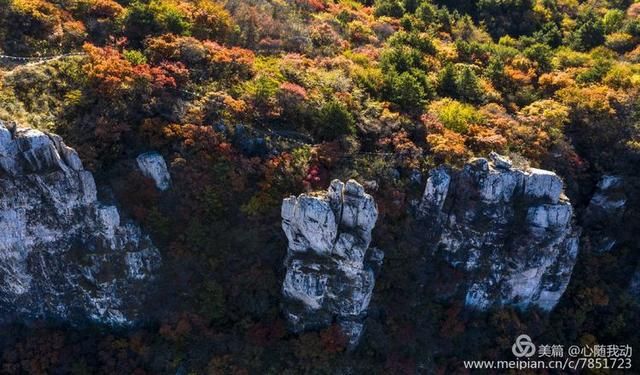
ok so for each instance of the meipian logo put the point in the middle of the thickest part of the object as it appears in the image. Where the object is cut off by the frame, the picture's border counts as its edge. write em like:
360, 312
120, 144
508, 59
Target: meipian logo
523, 347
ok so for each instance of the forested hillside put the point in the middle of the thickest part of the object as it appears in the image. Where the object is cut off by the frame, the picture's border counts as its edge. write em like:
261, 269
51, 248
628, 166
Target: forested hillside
250, 102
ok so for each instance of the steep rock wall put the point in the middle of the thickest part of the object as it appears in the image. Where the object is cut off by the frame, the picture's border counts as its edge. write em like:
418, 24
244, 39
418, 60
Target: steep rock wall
604, 215
330, 268
63, 254
509, 230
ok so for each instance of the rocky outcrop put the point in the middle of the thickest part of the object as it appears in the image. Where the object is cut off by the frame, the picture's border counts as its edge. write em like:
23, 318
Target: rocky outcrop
509, 231
153, 166
330, 268
609, 226
604, 215
63, 254
634, 284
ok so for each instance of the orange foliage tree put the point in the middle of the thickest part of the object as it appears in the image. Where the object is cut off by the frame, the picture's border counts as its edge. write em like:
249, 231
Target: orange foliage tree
113, 74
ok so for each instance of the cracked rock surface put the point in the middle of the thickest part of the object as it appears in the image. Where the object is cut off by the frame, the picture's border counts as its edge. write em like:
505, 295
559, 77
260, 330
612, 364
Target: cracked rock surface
604, 215
508, 230
330, 268
153, 166
63, 254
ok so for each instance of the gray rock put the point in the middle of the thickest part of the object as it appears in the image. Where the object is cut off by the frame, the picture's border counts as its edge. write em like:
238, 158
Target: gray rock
371, 185
309, 223
634, 285
63, 254
509, 231
152, 165
330, 272
604, 215
549, 216
499, 161
436, 190
542, 184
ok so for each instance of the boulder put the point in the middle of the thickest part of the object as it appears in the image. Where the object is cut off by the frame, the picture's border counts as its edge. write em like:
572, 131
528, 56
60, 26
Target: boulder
152, 165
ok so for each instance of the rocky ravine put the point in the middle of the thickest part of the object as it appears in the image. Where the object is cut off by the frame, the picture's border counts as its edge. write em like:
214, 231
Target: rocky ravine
63, 254
509, 230
330, 268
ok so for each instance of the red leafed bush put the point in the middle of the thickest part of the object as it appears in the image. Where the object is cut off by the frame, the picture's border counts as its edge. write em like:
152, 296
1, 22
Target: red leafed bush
293, 89
206, 59
105, 9
333, 339
232, 60
112, 73
317, 178
312, 5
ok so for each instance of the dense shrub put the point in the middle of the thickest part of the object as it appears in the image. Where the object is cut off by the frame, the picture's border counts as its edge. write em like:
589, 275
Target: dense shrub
589, 32
454, 115
406, 91
391, 8
334, 120
154, 17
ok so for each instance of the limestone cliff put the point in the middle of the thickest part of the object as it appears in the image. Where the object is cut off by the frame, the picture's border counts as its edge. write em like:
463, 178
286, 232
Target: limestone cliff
604, 215
63, 254
330, 268
509, 230
608, 225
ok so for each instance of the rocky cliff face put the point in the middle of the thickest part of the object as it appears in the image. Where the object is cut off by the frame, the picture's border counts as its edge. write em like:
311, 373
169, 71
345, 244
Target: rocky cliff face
607, 225
634, 284
330, 268
604, 215
63, 254
508, 230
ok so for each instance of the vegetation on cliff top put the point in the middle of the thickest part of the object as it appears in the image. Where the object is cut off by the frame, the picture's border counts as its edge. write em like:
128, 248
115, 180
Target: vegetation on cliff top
250, 101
